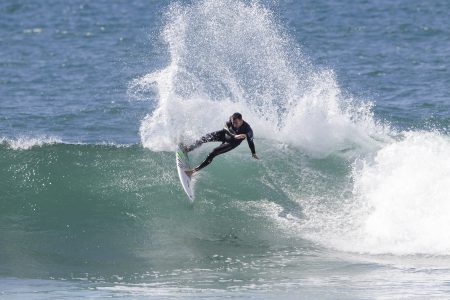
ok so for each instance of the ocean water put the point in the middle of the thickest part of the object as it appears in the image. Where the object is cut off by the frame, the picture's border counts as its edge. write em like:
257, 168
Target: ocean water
349, 102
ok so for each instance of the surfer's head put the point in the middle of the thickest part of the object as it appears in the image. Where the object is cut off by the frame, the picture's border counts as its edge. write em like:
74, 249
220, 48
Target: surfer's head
236, 119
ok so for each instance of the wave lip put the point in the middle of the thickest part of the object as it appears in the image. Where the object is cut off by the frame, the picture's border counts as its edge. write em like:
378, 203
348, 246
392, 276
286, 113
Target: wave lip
26, 143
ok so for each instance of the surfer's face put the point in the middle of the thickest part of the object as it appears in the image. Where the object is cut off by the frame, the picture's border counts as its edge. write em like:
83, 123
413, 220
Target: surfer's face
237, 123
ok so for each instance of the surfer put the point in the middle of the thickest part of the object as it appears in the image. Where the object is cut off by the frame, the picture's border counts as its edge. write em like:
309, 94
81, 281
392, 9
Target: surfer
234, 132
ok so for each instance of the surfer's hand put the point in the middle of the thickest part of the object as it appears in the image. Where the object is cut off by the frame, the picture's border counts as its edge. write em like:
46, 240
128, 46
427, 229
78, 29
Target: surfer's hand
255, 156
240, 136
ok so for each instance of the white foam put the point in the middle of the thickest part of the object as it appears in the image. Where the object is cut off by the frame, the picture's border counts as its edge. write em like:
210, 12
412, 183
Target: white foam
25, 143
400, 202
405, 192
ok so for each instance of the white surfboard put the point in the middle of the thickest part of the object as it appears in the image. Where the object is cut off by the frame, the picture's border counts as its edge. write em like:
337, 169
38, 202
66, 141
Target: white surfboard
182, 165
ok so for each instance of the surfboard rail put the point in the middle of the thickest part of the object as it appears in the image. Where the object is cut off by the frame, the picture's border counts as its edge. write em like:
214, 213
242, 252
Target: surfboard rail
183, 163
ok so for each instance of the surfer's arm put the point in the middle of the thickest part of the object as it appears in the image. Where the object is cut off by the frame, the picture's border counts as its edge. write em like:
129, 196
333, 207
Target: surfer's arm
252, 148
251, 145
226, 127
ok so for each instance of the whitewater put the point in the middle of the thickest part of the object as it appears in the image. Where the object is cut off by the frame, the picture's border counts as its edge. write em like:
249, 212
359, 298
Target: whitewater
346, 201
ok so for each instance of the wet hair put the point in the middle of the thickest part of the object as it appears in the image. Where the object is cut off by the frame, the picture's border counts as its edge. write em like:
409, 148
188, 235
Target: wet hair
235, 116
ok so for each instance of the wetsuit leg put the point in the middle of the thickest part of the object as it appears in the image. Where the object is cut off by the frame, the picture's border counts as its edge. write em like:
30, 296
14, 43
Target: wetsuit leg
225, 147
216, 136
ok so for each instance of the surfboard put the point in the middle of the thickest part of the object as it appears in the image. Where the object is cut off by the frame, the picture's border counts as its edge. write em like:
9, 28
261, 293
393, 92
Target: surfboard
183, 164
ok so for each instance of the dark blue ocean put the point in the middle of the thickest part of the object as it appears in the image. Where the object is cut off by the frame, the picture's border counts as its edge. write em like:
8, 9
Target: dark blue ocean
349, 102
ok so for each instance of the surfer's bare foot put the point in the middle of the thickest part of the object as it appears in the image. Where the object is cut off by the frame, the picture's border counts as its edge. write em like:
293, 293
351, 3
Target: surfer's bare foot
189, 172
182, 147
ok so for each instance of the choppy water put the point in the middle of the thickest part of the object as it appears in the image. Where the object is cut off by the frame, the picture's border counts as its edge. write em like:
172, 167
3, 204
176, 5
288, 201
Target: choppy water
349, 103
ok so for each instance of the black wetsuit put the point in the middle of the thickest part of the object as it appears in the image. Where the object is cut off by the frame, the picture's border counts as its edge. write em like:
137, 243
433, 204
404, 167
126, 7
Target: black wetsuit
228, 141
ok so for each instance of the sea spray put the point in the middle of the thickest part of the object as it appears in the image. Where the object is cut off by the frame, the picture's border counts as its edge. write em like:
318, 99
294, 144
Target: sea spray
228, 56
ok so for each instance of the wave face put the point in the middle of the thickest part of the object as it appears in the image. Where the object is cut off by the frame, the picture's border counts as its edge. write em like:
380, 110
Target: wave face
104, 210
107, 211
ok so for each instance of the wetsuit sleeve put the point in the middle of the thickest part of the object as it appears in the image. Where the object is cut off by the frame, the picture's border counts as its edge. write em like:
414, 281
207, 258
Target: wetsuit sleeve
250, 141
227, 129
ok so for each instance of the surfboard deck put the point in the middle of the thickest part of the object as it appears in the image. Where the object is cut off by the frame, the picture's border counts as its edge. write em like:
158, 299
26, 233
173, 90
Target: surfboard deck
183, 164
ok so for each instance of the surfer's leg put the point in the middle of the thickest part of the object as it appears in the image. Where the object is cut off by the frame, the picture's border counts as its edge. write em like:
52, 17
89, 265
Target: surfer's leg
216, 136
225, 147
